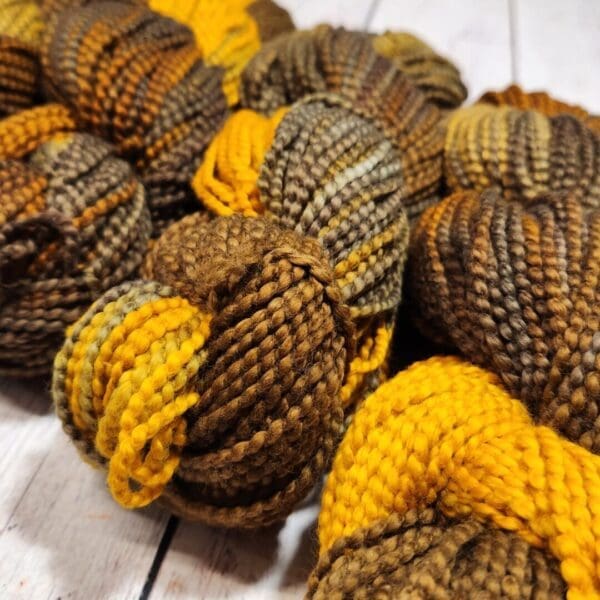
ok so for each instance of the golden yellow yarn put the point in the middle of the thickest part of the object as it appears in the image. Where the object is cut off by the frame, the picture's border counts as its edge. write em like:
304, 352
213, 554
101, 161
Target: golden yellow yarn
227, 180
445, 431
155, 350
225, 33
22, 20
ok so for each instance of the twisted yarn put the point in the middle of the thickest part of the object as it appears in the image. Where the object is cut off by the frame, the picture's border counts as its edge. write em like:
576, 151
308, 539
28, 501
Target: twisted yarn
228, 33
541, 102
433, 74
73, 223
514, 287
424, 554
216, 385
346, 64
19, 76
445, 431
22, 21
523, 153
321, 170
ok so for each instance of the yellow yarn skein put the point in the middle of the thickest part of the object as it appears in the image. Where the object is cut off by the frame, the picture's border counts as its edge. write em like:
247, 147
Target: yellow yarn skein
21, 20
446, 431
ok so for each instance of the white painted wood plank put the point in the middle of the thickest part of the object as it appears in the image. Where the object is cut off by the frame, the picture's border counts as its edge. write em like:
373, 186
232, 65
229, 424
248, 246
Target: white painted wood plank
557, 48
474, 34
61, 534
349, 13
210, 564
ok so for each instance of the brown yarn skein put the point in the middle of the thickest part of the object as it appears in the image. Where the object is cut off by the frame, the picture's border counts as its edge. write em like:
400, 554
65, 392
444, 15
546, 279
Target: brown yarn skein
514, 286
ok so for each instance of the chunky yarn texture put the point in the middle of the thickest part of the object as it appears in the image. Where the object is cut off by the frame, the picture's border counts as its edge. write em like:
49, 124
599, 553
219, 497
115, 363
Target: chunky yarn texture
514, 287
228, 33
423, 554
346, 64
215, 385
522, 153
323, 171
433, 74
73, 223
445, 431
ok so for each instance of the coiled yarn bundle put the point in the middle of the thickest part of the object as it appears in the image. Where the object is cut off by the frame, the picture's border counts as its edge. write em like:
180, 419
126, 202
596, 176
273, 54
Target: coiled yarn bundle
214, 385
514, 286
327, 60
523, 153
73, 223
444, 434
433, 74
323, 171
229, 33
19, 76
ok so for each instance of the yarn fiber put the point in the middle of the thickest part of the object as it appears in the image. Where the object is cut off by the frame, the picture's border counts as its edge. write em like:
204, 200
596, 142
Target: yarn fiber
424, 554
433, 74
323, 171
19, 76
445, 431
523, 153
346, 64
514, 287
214, 386
228, 33
73, 223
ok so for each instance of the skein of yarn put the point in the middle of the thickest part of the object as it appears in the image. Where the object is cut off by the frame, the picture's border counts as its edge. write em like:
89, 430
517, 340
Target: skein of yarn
73, 223
216, 385
514, 286
19, 76
424, 554
523, 153
433, 74
327, 60
444, 434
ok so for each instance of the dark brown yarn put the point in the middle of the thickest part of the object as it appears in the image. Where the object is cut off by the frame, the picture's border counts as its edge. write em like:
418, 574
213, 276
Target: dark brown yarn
137, 79
345, 63
425, 556
514, 286
276, 359
73, 223
19, 76
271, 19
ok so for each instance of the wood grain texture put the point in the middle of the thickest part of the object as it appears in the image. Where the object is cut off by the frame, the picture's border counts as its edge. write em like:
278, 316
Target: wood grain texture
474, 34
557, 49
62, 535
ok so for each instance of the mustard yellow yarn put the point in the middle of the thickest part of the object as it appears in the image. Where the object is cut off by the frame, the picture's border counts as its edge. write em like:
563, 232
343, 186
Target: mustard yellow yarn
225, 33
446, 431
227, 180
141, 367
22, 20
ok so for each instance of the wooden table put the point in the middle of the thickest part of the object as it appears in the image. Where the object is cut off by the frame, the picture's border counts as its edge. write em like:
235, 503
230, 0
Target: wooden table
62, 536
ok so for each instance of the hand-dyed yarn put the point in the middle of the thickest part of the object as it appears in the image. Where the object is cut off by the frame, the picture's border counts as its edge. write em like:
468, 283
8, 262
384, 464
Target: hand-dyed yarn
541, 102
21, 20
228, 33
433, 74
445, 432
515, 288
523, 153
345, 63
216, 386
137, 79
73, 223
19, 76
424, 554
323, 171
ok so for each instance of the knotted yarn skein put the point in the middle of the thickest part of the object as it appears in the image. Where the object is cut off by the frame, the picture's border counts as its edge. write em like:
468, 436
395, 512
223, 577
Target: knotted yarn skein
523, 153
322, 170
514, 286
434, 75
345, 63
424, 554
215, 384
137, 79
540, 101
228, 33
73, 223
445, 434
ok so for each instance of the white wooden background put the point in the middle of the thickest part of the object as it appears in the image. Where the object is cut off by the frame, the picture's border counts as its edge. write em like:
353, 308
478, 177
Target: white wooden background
61, 535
